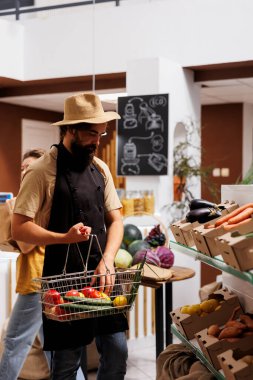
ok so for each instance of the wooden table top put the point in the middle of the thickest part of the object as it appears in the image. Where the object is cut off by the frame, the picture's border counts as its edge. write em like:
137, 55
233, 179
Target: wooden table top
178, 274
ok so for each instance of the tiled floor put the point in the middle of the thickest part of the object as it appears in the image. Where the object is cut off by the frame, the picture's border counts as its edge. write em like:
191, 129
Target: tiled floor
141, 360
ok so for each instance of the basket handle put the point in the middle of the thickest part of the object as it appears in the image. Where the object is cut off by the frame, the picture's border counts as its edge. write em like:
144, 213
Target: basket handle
85, 265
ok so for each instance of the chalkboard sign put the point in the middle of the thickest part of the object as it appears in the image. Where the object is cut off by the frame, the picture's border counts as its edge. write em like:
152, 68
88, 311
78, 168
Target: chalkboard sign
142, 138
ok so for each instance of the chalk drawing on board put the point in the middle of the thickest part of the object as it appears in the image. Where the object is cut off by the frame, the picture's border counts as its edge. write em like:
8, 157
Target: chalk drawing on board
130, 162
142, 144
129, 116
157, 143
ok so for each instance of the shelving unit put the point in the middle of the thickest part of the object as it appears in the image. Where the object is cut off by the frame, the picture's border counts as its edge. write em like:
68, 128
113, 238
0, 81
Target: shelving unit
215, 262
197, 352
218, 263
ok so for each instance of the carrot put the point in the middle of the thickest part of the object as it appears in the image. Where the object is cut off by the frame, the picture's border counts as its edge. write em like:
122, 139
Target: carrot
245, 214
209, 226
237, 211
229, 227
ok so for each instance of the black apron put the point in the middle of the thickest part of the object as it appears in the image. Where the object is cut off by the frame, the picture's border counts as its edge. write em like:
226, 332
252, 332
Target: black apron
78, 197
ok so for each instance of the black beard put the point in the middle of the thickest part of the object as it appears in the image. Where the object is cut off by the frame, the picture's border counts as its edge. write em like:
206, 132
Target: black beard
83, 155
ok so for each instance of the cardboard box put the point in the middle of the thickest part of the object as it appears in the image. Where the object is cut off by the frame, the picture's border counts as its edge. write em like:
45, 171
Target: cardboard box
206, 239
212, 347
182, 232
243, 289
233, 367
188, 325
237, 251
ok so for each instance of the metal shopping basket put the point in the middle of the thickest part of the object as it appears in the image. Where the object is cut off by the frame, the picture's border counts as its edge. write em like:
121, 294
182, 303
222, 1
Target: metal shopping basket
69, 296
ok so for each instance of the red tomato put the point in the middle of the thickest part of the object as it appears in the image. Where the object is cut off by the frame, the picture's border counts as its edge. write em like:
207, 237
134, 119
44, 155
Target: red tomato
52, 297
90, 292
87, 291
60, 313
72, 293
96, 294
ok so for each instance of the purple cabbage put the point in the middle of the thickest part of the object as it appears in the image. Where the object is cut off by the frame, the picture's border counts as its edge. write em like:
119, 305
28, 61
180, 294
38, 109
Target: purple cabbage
166, 256
151, 257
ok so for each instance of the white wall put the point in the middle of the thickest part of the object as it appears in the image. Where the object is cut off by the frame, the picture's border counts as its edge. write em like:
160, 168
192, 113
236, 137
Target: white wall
11, 50
190, 32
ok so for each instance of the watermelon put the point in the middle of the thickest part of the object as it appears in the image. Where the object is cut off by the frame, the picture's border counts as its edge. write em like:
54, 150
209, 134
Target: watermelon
123, 245
131, 233
137, 245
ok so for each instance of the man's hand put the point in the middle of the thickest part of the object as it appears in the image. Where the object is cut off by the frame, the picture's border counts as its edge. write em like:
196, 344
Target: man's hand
78, 233
107, 279
25, 230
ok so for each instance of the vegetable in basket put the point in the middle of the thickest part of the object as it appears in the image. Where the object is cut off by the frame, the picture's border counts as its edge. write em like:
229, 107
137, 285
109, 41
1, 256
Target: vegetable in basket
52, 296
90, 292
74, 293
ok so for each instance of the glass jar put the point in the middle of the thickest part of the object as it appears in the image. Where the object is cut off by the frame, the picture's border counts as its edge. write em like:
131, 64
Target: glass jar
138, 202
149, 201
128, 203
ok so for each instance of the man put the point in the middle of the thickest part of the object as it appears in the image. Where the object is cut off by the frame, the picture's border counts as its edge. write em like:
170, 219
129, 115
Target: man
71, 193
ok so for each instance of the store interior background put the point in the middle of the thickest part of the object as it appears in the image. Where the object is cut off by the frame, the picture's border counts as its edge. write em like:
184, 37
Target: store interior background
189, 49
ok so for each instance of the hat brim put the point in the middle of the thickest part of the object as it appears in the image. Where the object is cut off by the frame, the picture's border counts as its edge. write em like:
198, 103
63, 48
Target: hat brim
108, 116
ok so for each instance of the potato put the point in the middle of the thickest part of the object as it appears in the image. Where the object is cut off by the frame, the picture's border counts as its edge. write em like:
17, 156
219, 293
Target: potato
237, 324
230, 332
248, 359
247, 320
209, 306
213, 330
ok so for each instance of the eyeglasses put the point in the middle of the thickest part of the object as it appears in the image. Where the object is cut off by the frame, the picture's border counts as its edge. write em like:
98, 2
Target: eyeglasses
96, 134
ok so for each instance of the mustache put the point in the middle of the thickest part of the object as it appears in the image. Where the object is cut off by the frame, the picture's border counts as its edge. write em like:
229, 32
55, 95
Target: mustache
91, 148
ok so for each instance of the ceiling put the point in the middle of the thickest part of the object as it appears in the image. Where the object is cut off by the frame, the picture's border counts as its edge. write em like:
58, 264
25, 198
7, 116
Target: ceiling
230, 82
55, 102
212, 92
227, 91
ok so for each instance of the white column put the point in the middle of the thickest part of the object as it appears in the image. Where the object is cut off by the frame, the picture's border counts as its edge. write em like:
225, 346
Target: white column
160, 76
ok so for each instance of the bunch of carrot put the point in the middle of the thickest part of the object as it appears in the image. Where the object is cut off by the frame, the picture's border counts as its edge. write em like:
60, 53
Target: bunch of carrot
242, 215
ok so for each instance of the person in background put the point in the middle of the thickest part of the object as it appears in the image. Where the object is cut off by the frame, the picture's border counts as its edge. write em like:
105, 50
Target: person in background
25, 321
71, 193
29, 157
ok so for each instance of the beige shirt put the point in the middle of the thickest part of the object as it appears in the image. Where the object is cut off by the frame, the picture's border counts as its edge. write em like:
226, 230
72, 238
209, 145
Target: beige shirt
37, 188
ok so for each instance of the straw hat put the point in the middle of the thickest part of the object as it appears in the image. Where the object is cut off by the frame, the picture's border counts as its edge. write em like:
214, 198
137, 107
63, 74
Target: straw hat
85, 108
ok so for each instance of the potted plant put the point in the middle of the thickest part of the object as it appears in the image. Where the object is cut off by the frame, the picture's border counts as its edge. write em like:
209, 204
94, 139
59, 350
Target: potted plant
186, 166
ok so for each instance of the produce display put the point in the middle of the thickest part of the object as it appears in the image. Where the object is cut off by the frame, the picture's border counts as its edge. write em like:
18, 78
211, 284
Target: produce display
228, 233
152, 248
233, 330
236, 218
203, 308
190, 319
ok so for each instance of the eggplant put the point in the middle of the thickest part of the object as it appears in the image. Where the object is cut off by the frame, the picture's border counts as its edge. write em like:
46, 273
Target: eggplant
201, 203
202, 215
